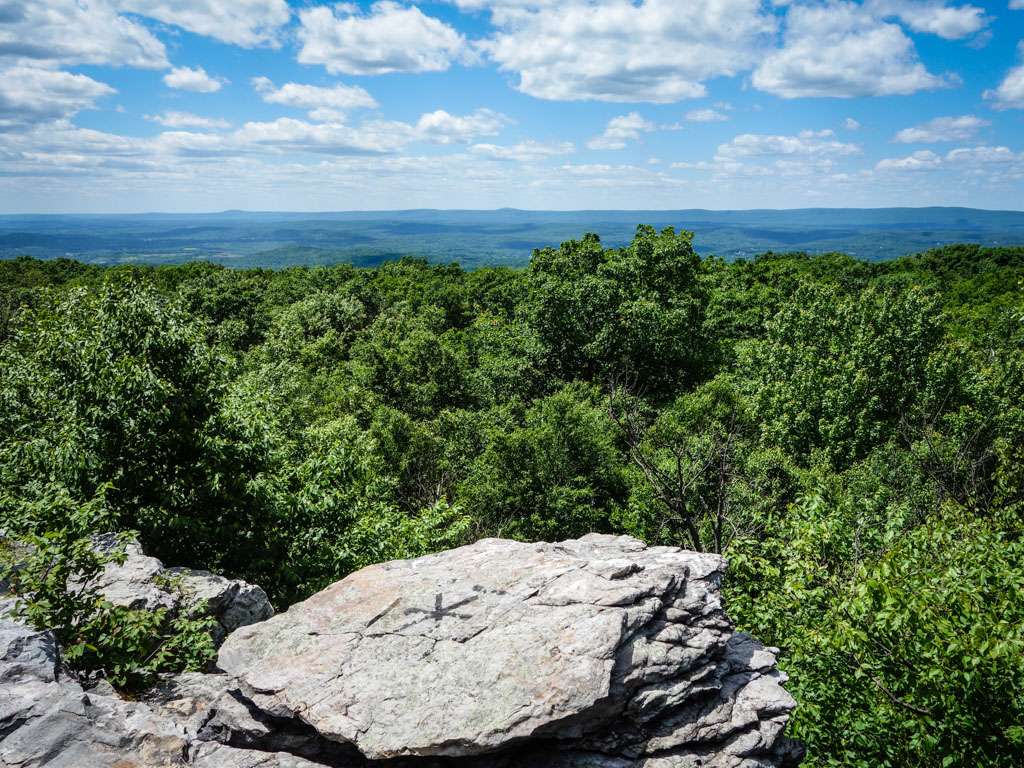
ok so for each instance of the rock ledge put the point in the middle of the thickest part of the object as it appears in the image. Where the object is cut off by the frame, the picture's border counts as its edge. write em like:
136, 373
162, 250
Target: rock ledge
594, 653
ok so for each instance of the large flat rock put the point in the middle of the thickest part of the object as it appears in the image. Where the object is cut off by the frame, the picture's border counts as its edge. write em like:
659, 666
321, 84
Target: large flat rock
481, 648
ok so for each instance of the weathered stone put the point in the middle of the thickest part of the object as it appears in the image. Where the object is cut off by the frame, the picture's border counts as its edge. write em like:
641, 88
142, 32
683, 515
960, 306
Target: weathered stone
603, 643
213, 709
596, 653
213, 755
135, 583
143, 582
47, 720
26, 654
235, 603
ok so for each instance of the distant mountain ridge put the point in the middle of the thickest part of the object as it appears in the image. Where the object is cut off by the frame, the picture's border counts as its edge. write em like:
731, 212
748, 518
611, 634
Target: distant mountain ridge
485, 237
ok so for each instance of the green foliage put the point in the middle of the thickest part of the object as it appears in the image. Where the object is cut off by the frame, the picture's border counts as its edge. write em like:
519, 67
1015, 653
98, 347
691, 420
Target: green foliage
698, 477
635, 310
558, 475
54, 578
849, 434
836, 374
111, 388
409, 362
903, 638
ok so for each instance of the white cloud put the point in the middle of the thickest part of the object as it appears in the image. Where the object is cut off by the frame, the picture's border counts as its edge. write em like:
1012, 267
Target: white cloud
625, 50
173, 119
389, 38
440, 127
806, 143
975, 155
193, 79
327, 103
851, 125
30, 95
942, 129
327, 115
1010, 93
70, 32
1017, 5
479, 5
706, 116
523, 152
921, 160
291, 137
842, 50
971, 160
331, 138
621, 130
183, 170
240, 22
98, 32
618, 177
934, 17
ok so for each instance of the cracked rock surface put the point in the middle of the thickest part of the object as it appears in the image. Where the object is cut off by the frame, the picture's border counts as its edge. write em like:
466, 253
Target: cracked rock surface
594, 653
601, 644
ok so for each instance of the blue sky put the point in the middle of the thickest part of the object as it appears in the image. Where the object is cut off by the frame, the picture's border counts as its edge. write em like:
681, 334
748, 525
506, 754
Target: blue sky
205, 105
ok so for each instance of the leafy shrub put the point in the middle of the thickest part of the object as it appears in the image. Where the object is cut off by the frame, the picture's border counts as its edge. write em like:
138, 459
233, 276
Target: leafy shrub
53, 577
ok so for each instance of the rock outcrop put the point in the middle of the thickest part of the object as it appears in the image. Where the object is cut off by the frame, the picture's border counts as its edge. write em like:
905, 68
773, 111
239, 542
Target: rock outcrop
595, 653
49, 720
143, 582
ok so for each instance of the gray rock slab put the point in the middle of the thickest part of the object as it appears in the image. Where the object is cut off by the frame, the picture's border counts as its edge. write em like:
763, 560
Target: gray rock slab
486, 647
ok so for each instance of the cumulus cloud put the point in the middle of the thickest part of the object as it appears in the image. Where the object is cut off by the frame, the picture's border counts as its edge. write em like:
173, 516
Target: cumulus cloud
172, 119
376, 136
193, 79
664, 50
625, 51
942, 129
326, 102
260, 168
843, 50
851, 125
246, 23
806, 143
983, 155
389, 38
921, 160
335, 137
99, 32
936, 17
69, 32
30, 95
620, 131
964, 159
292, 137
440, 127
1010, 93
1017, 5
705, 116
523, 152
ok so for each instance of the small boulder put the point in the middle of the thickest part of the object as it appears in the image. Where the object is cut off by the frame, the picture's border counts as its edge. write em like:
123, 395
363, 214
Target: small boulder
143, 582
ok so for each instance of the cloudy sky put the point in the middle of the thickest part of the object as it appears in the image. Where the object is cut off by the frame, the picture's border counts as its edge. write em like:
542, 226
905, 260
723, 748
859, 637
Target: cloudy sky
204, 105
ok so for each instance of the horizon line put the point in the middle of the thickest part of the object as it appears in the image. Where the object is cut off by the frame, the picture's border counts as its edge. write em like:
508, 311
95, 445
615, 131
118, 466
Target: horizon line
512, 210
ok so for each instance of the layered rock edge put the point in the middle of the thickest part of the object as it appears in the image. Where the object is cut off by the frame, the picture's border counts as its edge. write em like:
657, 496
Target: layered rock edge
599, 652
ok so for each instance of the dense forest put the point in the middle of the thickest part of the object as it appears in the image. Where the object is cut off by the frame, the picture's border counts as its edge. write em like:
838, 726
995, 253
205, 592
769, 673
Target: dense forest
850, 435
